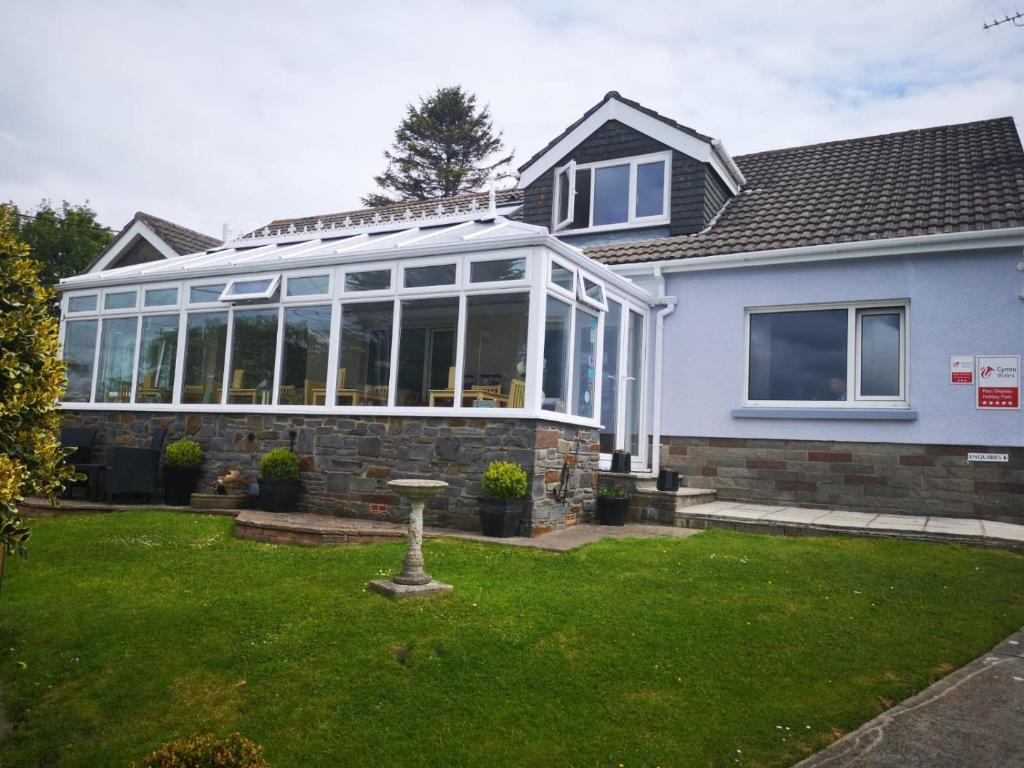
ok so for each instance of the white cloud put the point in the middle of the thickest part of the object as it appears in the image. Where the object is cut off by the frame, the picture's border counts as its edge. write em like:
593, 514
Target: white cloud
212, 112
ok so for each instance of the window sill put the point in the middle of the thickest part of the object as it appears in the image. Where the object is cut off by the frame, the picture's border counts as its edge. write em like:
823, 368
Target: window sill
845, 414
639, 224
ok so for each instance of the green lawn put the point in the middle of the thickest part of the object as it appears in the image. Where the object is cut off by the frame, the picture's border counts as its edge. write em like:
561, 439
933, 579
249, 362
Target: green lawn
123, 631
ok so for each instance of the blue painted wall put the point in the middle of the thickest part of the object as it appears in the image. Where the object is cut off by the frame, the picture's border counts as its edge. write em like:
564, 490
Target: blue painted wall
959, 304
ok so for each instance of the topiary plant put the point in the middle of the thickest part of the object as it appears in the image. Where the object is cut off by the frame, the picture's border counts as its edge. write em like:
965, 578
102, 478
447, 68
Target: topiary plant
197, 751
504, 480
280, 464
183, 453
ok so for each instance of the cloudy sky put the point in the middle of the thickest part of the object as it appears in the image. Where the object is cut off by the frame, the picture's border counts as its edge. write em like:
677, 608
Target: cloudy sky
212, 112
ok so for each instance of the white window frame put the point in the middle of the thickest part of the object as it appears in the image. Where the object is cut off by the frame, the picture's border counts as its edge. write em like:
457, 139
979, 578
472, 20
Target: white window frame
581, 292
853, 399
389, 266
439, 290
227, 296
556, 289
289, 276
570, 169
495, 286
81, 312
633, 221
118, 310
161, 308
186, 297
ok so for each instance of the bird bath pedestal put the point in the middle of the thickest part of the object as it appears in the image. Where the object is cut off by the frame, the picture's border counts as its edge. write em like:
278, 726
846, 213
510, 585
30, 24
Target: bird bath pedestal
413, 581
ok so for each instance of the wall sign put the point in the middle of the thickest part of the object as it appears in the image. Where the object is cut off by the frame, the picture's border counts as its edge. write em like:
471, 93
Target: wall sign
999, 381
961, 369
1002, 458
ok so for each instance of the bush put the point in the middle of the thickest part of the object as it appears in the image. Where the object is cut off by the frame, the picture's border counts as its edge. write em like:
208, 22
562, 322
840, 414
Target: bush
611, 492
183, 453
504, 480
280, 464
197, 751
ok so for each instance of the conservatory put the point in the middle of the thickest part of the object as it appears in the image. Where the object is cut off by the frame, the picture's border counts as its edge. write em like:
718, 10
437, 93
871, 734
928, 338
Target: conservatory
466, 315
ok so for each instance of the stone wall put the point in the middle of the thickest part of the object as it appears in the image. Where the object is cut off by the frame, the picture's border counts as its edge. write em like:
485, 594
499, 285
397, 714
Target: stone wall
347, 460
878, 477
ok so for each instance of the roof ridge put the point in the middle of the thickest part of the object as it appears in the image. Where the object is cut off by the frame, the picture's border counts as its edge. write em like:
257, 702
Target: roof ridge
856, 139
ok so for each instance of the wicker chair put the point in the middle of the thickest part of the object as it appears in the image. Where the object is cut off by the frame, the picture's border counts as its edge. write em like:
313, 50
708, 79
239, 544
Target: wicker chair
81, 439
135, 471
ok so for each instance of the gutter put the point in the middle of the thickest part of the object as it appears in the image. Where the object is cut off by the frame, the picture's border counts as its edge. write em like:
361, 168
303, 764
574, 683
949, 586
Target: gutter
719, 149
659, 346
893, 246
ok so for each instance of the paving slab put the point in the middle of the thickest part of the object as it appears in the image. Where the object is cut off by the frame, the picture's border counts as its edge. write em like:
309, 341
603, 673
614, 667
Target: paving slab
898, 523
954, 525
847, 519
970, 719
796, 515
1007, 531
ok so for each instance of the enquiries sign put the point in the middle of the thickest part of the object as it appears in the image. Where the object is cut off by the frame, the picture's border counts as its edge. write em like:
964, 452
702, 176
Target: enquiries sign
998, 381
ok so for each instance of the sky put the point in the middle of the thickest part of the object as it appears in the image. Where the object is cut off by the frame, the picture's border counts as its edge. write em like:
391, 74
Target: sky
213, 113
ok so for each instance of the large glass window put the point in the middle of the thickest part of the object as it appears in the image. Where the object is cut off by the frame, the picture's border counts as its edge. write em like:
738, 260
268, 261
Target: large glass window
253, 349
584, 388
161, 297
555, 394
611, 195
204, 294
79, 354
494, 368
628, 191
426, 352
804, 355
309, 285
610, 378
117, 357
364, 360
307, 336
156, 359
205, 339
634, 381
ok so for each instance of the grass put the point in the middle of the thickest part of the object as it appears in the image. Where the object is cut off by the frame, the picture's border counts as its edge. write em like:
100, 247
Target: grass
125, 630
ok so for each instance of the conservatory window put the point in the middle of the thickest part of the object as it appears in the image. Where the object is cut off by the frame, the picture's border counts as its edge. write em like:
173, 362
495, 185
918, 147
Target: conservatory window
82, 303
247, 289
557, 327
592, 293
79, 354
205, 340
117, 358
563, 277
253, 350
161, 297
610, 378
205, 294
426, 351
497, 270
368, 280
307, 336
308, 285
426, 276
157, 354
584, 364
494, 363
120, 300
364, 359
634, 381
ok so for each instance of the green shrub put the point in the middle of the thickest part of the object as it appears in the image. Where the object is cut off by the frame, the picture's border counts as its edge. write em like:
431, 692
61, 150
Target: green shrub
183, 453
611, 492
504, 480
207, 751
280, 464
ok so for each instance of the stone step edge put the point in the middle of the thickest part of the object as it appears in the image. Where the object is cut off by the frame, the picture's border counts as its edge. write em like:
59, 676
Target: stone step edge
784, 528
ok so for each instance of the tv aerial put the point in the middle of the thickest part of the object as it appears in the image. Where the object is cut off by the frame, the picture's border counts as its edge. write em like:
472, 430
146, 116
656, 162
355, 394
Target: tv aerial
1017, 20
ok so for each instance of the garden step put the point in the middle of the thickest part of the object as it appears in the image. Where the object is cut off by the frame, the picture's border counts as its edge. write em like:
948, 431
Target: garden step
313, 530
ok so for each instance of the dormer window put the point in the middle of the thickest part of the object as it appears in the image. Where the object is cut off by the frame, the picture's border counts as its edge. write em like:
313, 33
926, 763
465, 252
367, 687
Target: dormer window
612, 194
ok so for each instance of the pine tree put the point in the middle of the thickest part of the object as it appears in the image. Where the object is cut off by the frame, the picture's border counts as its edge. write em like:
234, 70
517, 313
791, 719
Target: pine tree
442, 148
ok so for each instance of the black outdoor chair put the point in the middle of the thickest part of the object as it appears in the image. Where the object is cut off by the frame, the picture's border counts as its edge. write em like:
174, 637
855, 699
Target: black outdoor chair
134, 471
81, 439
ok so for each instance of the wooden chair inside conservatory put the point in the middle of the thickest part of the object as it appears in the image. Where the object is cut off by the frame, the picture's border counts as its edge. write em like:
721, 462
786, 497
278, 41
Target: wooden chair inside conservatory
516, 393
443, 394
237, 391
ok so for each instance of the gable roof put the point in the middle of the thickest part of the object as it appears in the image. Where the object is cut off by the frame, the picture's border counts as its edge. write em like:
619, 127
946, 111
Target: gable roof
615, 107
168, 238
503, 198
951, 178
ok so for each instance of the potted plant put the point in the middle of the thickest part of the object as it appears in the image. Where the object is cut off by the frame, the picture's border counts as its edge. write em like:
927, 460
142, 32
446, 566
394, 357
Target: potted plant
279, 481
181, 471
503, 503
612, 504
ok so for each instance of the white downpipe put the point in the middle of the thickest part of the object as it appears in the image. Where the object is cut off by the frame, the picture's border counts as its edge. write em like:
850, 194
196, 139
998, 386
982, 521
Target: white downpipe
659, 346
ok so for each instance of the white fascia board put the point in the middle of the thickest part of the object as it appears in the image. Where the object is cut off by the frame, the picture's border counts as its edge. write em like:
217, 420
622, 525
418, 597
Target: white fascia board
893, 246
614, 109
138, 229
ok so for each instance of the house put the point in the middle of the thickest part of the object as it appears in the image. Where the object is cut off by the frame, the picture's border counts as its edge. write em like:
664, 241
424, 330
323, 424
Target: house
149, 238
834, 325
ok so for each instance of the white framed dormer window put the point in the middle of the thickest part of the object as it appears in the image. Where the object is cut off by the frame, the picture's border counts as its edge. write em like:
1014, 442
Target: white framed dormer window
828, 356
613, 194
251, 288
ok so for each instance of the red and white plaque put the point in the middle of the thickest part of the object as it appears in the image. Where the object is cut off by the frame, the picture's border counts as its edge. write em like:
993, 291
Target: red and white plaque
999, 381
961, 369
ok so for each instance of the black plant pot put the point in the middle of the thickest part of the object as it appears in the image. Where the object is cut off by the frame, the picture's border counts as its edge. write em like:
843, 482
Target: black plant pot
612, 511
179, 483
500, 518
668, 480
279, 495
622, 462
